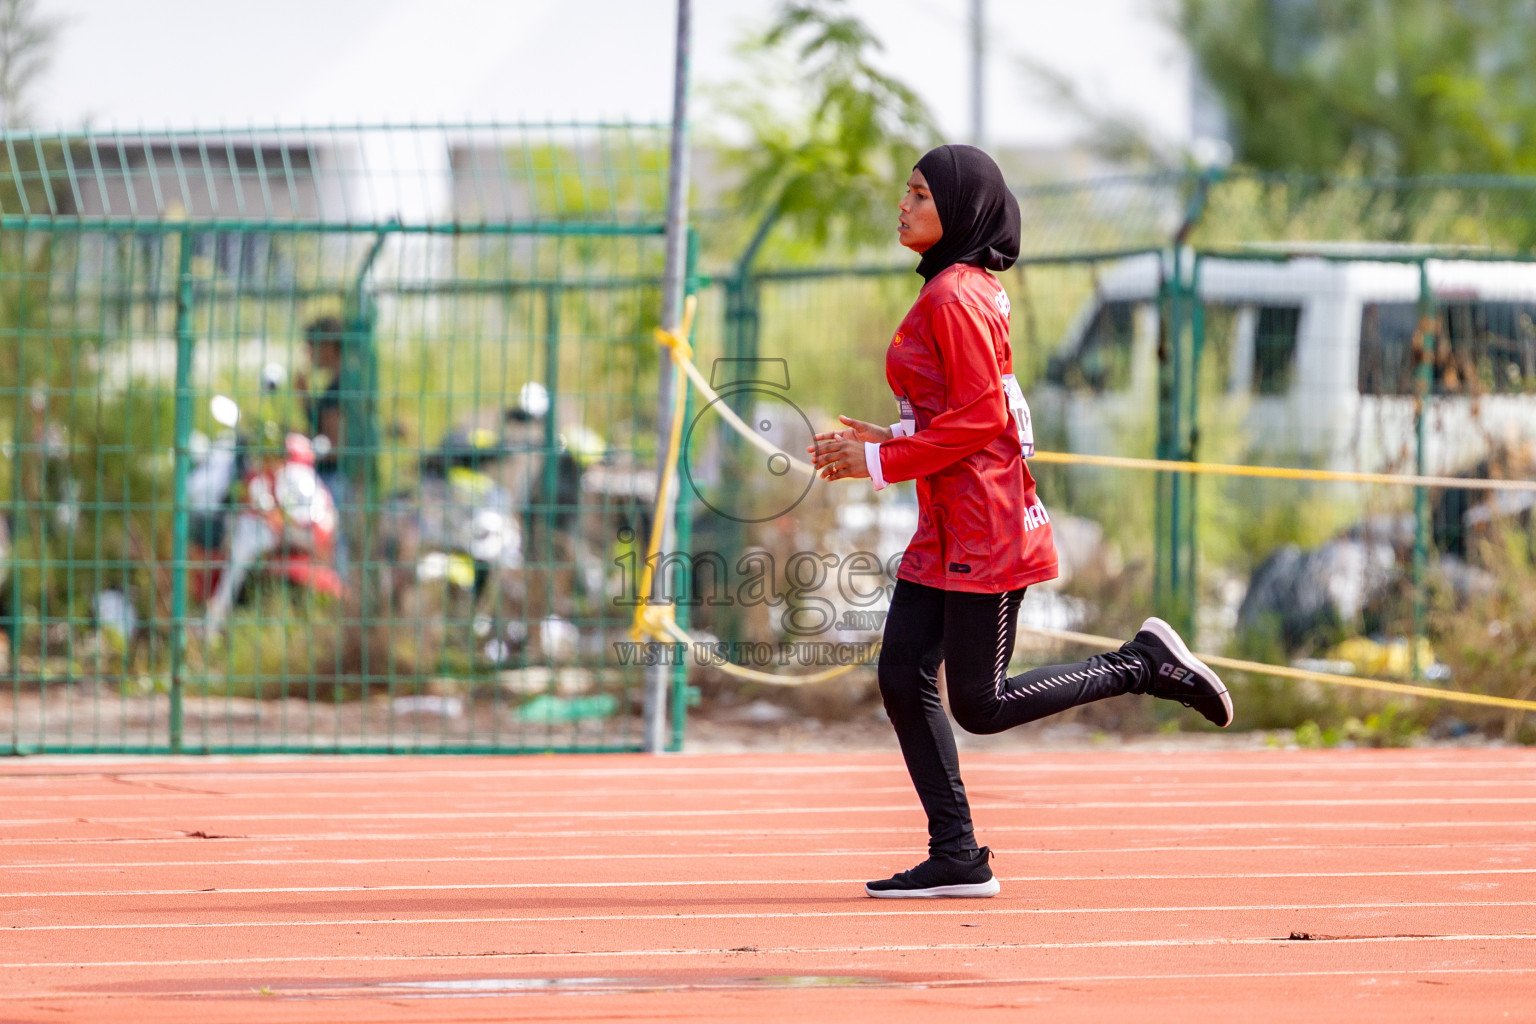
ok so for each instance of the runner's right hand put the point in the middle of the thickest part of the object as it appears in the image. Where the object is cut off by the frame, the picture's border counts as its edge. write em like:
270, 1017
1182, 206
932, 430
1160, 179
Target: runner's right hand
857, 430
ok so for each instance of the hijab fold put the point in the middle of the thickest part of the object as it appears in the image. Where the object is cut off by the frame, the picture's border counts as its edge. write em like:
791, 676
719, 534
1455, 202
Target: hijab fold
978, 213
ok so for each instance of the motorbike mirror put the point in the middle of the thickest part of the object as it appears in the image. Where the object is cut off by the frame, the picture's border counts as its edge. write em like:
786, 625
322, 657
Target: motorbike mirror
225, 412
274, 376
534, 399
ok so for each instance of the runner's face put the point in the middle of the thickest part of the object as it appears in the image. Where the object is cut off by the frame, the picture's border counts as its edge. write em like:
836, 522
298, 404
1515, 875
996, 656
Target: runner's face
918, 227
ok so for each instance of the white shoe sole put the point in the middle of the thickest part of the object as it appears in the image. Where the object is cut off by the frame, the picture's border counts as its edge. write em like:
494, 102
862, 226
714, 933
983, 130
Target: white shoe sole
974, 890
1175, 643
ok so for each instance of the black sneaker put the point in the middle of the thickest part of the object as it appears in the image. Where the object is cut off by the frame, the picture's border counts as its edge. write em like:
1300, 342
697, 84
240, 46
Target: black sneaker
1179, 675
942, 874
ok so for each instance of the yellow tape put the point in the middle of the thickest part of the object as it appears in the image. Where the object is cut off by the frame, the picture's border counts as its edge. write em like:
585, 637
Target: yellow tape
681, 353
1286, 672
1281, 472
712, 398
659, 622
754, 676
661, 619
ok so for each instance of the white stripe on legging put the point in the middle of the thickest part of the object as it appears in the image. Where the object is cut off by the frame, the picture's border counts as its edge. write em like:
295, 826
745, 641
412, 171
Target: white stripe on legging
1000, 674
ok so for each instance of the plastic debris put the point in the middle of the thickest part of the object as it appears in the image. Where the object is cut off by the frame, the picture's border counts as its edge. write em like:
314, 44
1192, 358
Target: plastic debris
549, 708
428, 704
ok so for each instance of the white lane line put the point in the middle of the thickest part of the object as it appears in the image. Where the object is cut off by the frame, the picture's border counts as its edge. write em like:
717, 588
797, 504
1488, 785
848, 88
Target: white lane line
141, 795
1341, 802
160, 820
622, 986
475, 858
781, 950
903, 807
726, 883
762, 833
424, 768
917, 909
1231, 975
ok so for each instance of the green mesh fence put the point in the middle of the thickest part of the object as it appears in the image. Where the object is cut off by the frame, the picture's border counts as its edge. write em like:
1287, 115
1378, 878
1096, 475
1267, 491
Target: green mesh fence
453, 324
326, 440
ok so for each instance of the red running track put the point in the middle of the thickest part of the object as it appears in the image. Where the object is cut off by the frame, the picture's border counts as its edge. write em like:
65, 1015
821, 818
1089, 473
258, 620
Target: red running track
1136, 887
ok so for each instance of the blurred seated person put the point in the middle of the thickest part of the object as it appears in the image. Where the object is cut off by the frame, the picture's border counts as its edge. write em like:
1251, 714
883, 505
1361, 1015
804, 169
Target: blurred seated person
325, 421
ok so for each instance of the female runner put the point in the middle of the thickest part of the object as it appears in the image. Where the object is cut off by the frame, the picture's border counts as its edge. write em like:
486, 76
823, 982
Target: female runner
982, 537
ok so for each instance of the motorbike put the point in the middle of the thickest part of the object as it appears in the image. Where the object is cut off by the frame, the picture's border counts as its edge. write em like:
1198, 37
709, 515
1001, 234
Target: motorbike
257, 510
482, 529
458, 527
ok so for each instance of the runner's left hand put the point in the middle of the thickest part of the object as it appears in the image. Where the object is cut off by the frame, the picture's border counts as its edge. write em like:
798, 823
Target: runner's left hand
839, 455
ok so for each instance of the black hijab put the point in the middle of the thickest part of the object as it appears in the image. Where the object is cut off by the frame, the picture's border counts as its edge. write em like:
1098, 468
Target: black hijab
979, 215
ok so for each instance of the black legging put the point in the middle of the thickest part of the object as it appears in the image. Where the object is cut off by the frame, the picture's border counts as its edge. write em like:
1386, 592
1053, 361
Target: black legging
973, 635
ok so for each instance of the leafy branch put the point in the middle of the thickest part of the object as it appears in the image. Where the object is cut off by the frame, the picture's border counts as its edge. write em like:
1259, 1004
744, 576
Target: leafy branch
831, 167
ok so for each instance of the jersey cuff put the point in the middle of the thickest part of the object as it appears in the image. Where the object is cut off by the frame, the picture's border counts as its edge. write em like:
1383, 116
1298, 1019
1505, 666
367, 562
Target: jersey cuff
872, 463
897, 430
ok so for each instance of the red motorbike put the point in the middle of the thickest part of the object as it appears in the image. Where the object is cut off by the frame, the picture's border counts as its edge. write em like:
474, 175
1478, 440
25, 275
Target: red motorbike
283, 524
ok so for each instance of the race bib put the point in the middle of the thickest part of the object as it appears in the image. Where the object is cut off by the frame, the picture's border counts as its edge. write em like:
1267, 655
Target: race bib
1020, 409
908, 420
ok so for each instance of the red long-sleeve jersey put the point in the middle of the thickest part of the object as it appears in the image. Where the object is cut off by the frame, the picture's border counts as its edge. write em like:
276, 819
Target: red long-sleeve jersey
981, 528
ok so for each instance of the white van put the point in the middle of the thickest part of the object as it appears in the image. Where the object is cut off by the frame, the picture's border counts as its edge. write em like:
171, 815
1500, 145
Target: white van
1310, 360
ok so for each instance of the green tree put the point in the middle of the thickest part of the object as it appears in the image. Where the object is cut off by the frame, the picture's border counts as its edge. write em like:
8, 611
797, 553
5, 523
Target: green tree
1385, 86
26, 45
832, 161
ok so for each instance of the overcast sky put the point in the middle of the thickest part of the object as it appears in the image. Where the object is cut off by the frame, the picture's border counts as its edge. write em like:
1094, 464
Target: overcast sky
209, 62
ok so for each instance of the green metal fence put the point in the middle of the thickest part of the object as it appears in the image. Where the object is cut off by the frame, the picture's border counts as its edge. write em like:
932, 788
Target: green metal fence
456, 321
326, 440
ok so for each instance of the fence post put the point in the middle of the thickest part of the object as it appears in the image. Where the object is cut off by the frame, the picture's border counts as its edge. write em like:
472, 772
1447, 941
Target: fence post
357, 460
1192, 444
1423, 386
673, 285
179, 525
1174, 591
740, 343
551, 468
18, 519
1167, 585
683, 527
